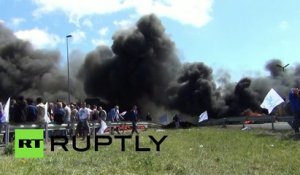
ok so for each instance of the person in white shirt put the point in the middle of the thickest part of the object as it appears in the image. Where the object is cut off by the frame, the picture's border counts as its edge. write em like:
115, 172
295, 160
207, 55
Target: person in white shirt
88, 107
67, 117
83, 125
41, 110
74, 118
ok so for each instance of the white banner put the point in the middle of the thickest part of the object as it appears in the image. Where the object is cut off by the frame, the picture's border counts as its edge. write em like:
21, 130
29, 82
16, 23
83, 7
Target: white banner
5, 117
103, 128
271, 100
203, 117
46, 117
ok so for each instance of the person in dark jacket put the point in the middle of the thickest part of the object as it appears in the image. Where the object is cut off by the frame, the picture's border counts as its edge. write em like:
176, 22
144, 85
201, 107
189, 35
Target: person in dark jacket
148, 117
12, 111
59, 114
176, 120
31, 111
134, 118
294, 99
20, 110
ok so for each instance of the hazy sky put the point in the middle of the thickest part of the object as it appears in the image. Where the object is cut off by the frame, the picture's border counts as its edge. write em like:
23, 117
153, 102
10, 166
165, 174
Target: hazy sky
234, 35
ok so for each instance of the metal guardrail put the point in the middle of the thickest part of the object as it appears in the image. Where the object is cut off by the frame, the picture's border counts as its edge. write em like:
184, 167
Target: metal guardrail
222, 121
255, 119
10, 128
241, 120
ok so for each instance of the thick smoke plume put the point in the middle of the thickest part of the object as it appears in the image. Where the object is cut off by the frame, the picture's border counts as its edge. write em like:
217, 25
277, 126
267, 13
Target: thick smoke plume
249, 93
242, 98
195, 91
142, 67
30, 72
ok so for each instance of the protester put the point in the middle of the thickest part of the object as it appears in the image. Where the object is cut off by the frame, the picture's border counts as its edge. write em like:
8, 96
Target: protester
12, 111
294, 98
20, 110
59, 114
67, 117
134, 118
31, 111
102, 113
74, 113
113, 114
74, 118
148, 117
88, 107
94, 117
176, 120
51, 108
83, 126
94, 114
40, 110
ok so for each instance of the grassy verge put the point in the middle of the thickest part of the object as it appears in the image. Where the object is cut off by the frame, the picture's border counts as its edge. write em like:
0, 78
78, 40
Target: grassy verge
189, 151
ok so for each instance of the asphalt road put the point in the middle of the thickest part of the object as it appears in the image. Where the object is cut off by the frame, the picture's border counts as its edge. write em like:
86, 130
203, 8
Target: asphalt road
278, 126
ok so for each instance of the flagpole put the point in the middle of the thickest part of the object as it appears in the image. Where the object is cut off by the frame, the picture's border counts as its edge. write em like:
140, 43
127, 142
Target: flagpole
6, 133
69, 96
46, 133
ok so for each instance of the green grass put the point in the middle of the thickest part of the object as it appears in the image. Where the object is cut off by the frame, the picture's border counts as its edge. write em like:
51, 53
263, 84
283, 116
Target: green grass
190, 151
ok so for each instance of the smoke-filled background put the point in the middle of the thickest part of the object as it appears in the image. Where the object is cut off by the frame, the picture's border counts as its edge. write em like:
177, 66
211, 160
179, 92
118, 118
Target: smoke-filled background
30, 72
142, 67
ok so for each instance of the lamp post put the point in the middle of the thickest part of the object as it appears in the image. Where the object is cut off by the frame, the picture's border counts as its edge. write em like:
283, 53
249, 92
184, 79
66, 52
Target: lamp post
67, 39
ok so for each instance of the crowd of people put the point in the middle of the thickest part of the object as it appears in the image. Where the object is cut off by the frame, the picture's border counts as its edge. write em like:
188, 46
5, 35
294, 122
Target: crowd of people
33, 111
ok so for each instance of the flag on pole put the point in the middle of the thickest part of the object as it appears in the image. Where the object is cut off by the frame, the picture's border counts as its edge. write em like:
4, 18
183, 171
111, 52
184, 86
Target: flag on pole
46, 117
123, 113
102, 128
163, 119
271, 100
203, 117
5, 115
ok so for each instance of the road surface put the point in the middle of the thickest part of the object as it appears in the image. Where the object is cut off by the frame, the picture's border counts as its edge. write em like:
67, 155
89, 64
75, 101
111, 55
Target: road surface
278, 126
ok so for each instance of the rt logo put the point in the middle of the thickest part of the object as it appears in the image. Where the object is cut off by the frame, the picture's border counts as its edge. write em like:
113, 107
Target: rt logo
29, 143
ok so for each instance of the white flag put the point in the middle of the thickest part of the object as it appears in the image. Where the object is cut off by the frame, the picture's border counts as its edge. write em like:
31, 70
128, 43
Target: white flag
46, 117
5, 117
103, 128
271, 100
203, 116
123, 113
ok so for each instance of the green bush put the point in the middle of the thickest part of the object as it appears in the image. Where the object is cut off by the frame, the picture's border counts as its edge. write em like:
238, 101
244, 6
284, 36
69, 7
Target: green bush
9, 149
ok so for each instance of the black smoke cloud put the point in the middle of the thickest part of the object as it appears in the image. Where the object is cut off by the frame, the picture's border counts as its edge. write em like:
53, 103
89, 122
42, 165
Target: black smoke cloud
140, 65
242, 98
143, 64
249, 93
143, 67
30, 72
195, 91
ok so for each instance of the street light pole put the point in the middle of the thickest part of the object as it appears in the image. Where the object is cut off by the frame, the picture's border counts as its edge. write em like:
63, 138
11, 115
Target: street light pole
69, 96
